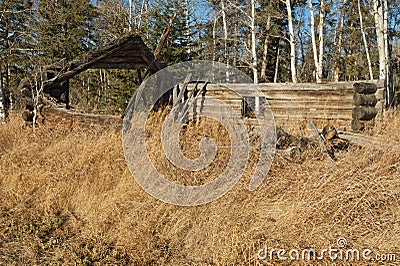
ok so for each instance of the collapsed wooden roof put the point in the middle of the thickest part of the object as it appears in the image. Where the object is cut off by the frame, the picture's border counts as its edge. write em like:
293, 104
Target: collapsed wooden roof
129, 52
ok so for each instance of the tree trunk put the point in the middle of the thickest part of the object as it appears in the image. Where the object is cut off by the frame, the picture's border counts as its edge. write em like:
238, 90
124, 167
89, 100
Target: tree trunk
214, 39
379, 28
225, 29
235, 42
130, 16
336, 75
292, 44
265, 53
321, 39
371, 75
187, 24
143, 6
389, 92
380, 14
278, 49
253, 42
313, 41
3, 110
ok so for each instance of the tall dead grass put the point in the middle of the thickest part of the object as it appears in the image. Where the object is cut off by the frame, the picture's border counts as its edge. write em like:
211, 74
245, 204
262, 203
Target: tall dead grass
67, 197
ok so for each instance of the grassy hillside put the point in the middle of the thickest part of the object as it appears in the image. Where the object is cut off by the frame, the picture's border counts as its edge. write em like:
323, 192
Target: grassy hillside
67, 197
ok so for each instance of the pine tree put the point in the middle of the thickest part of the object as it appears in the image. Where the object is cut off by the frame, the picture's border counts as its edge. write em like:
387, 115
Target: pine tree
181, 44
64, 28
16, 47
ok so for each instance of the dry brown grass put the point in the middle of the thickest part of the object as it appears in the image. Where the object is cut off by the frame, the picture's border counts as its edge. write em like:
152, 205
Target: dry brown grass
67, 197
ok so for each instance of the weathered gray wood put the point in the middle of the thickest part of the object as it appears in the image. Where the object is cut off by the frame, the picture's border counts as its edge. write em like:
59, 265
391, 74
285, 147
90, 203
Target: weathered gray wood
182, 90
61, 113
289, 101
365, 88
364, 113
364, 99
380, 94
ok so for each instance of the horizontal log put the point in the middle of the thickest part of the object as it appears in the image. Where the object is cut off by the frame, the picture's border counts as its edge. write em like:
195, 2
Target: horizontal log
364, 99
333, 86
82, 117
297, 86
284, 97
364, 113
365, 87
310, 105
335, 116
104, 65
288, 107
295, 96
281, 120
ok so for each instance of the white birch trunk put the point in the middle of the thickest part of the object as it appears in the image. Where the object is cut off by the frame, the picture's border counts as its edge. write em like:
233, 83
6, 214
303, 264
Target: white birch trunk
225, 29
265, 53
313, 41
379, 28
321, 39
130, 16
386, 42
235, 43
277, 64
214, 39
371, 75
187, 24
253, 41
292, 42
336, 74
143, 6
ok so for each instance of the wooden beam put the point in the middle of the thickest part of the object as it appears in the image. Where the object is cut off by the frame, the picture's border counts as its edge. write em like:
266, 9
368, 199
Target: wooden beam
163, 38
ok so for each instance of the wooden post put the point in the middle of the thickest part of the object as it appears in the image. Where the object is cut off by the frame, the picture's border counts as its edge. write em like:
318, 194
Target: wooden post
175, 91
257, 104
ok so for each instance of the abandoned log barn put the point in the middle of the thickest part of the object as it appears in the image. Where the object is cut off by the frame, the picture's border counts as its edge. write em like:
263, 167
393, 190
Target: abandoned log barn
347, 103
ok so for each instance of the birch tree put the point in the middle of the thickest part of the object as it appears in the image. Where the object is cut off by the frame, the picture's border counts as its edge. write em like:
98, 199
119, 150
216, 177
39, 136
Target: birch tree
380, 30
321, 38
318, 58
313, 41
253, 41
336, 74
371, 75
225, 29
292, 42
265, 49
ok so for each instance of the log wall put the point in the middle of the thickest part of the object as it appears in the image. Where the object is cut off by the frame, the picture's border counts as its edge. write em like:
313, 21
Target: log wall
290, 103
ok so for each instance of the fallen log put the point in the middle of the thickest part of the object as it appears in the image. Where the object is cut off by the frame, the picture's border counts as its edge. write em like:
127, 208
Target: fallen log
364, 88
56, 114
